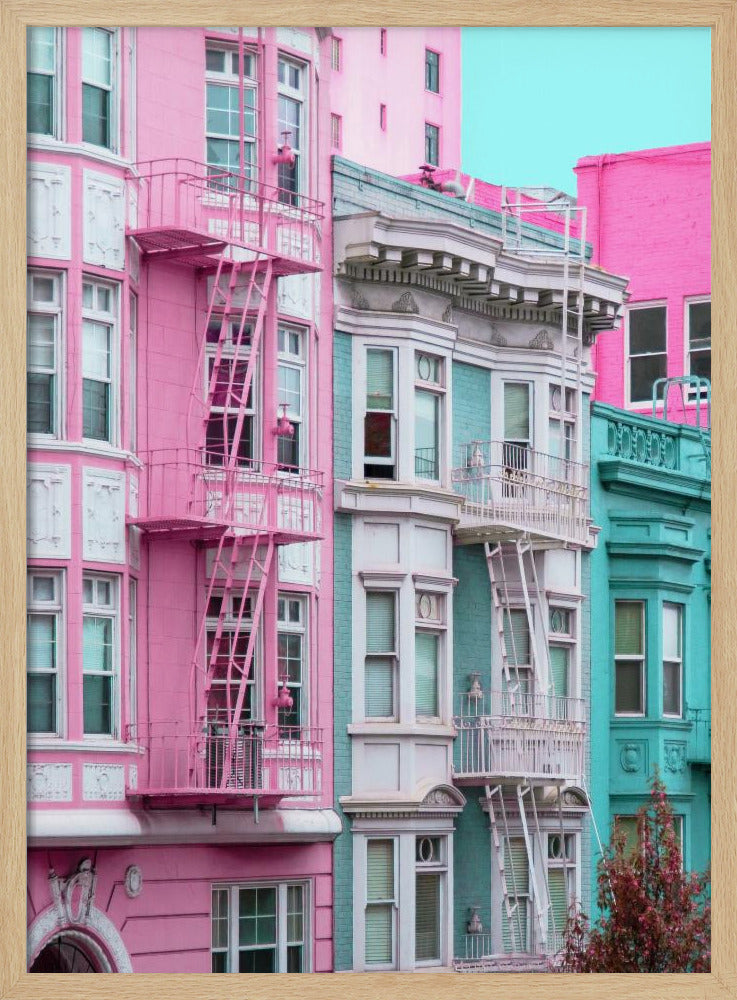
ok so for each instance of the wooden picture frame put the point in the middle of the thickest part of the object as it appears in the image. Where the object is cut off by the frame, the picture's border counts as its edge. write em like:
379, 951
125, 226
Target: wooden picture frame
15, 15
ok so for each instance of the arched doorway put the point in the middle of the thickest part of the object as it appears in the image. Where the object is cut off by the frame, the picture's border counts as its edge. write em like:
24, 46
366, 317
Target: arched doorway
65, 953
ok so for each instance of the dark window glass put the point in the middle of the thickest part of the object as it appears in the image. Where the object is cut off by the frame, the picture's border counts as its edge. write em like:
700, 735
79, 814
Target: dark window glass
95, 409
215, 446
432, 71
643, 373
647, 330
40, 107
432, 144
40, 411
95, 115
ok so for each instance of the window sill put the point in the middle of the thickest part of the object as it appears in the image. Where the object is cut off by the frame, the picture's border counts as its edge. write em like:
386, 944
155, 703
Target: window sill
392, 728
85, 446
58, 743
52, 144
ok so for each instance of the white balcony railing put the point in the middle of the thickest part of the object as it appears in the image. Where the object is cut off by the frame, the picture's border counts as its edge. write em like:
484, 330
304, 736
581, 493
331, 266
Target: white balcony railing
507, 735
510, 486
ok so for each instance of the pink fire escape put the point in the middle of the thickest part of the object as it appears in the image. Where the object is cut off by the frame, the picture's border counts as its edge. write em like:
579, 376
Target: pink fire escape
242, 235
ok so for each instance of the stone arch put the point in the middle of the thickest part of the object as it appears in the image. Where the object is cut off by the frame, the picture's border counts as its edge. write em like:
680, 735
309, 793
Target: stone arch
98, 936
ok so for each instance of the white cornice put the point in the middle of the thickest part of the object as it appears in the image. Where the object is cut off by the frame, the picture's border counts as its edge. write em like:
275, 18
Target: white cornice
397, 325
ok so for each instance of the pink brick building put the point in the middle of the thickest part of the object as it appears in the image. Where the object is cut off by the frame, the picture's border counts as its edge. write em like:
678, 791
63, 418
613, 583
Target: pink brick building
180, 553
649, 218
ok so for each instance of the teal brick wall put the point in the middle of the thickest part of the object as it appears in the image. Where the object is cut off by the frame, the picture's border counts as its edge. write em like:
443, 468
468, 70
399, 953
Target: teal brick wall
471, 406
343, 848
342, 404
471, 867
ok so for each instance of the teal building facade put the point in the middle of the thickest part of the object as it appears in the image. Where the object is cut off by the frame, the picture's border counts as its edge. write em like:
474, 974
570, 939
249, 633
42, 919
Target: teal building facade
463, 540
650, 597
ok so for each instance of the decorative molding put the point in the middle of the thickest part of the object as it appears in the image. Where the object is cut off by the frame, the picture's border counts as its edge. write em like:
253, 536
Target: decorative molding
133, 495
133, 776
542, 342
632, 756
49, 782
133, 881
103, 782
47, 923
359, 300
406, 303
49, 211
497, 339
103, 521
296, 563
48, 504
294, 295
104, 220
675, 757
72, 908
134, 546
295, 39
448, 313
658, 449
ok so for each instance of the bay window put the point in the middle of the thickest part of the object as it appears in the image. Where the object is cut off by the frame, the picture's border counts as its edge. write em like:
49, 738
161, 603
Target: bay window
428, 399
231, 128
560, 650
99, 368
43, 325
100, 659
260, 928
44, 651
429, 646
380, 421
629, 658
98, 83
517, 436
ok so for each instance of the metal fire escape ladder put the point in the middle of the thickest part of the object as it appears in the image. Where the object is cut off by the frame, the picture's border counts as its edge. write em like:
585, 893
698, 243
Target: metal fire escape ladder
514, 919
522, 547
541, 909
501, 608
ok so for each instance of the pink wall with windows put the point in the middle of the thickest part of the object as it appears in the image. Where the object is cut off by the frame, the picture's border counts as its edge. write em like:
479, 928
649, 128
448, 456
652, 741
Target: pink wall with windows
84, 493
395, 79
649, 219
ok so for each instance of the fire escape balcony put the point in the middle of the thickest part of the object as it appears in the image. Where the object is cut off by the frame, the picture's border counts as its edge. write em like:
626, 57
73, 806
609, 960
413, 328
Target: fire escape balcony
511, 488
186, 211
511, 737
188, 492
259, 765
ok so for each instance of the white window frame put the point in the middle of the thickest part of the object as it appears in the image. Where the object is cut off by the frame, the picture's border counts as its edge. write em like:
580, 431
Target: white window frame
113, 89
523, 899
437, 140
692, 300
110, 319
284, 626
56, 310
388, 655
132, 651
393, 460
567, 862
228, 354
429, 89
54, 607
132, 370
392, 901
634, 307
228, 628
55, 73
336, 54
565, 640
630, 657
299, 145
230, 78
282, 942
679, 608
525, 672
336, 131
98, 609
566, 420
437, 388
434, 623
295, 361
438, 866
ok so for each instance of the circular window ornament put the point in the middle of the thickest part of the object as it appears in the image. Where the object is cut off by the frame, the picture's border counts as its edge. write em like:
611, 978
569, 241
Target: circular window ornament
425, 605
133, 881
426, 849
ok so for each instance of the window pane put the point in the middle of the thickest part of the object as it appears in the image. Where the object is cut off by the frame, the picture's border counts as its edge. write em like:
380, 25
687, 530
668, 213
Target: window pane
701, 364
379, 870
379, 687
559, 670
95, 408
96, 56
517, 638
290, 390
41, 704
41, 642
40, 403
699, 324
647, 330
95, 349
40, 49
628, 693
257, 960
671, 688
558, 900
379, 380
628, 628
39, 108
97, 644
40, 343
95, 115
426, 434
644, 372
43, 588
378, 934
427, 916
671, 632
378, 435
380, 623
426, 674
295, 960
628, 825
98, 711
516, 412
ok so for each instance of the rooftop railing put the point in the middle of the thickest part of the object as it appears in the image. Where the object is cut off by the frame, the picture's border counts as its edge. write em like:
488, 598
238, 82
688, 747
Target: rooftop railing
183, 489
185, 209
512, 487
260, 761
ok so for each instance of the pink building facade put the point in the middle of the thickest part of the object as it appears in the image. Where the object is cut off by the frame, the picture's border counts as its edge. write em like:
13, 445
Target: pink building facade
180, 554
649, 218
396, 97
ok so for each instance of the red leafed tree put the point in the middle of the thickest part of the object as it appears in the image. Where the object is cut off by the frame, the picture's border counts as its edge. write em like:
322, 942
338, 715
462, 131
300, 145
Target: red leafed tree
655, 917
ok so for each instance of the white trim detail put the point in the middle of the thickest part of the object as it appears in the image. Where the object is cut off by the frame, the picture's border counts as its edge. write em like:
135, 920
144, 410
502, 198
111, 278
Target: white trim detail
47, 923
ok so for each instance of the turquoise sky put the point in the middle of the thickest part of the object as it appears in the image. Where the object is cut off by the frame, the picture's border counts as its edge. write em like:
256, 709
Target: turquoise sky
537, 99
